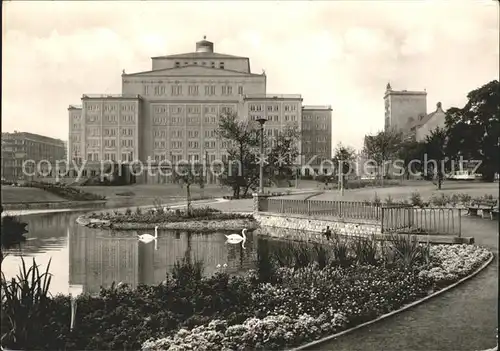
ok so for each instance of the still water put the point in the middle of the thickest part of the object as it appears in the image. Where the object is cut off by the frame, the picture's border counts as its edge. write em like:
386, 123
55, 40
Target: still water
91, 258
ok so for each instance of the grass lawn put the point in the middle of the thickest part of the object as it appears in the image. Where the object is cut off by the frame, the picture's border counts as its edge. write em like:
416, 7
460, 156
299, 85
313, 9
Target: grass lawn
426, 190
23, 195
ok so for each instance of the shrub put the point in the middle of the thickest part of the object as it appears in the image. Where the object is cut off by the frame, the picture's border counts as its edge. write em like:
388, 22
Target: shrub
465, 198
128, 212
25, 301
416, 199
440, 200
376, 200
388, 200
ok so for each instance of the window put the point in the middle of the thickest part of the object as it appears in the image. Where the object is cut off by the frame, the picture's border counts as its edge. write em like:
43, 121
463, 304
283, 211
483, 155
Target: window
203, 63
227, 90
193, 90
159, 90
177, 64
240, 90
221, 65
193, 145
210, 90
176, 90
212, 64
195, 63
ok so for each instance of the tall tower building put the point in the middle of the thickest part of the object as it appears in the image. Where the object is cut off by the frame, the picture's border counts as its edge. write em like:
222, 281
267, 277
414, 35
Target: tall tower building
403, 107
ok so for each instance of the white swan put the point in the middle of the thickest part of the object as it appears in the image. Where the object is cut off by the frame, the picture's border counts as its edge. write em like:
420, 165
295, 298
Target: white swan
236, 238
147, 238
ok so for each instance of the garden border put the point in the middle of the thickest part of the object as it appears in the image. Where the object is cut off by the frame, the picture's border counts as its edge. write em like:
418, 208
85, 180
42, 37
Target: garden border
410, 305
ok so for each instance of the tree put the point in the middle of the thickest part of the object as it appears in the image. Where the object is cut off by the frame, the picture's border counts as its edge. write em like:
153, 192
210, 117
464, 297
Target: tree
343, 155
435, 146
241, 140
282, 156
382, 147
473, 131
408, 151
188, 175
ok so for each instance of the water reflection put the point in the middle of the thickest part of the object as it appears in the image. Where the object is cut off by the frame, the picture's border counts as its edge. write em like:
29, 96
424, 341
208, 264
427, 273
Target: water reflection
97, 258
93, 258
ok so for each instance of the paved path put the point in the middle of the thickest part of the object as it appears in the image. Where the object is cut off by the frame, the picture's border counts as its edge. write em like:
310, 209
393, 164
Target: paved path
462, 319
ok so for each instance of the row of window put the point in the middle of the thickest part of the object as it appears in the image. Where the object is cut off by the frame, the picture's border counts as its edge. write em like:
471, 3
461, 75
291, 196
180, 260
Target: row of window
109, 107
164, 121
271, 108
95, 143
111, 119
212, 64
191, 144
306, 117
111, 132
211, 133
193, 109
307, 126
109, 156
192, 90
275, 118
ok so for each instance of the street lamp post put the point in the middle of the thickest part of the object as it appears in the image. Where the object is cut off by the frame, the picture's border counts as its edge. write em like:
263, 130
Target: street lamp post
261, 169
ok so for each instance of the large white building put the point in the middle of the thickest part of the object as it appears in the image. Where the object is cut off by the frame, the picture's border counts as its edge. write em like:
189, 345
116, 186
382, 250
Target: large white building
171, 112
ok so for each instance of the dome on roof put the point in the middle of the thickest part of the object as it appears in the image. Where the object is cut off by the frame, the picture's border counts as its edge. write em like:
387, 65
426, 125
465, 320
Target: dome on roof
204, 45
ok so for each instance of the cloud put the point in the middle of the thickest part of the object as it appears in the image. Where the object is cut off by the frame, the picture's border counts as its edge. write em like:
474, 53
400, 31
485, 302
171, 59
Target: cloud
337, 53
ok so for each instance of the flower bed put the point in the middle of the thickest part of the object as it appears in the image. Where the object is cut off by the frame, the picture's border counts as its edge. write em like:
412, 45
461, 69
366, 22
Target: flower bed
276, 306
200, 218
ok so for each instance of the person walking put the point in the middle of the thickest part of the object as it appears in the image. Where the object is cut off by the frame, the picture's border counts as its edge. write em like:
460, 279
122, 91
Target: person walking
328, 233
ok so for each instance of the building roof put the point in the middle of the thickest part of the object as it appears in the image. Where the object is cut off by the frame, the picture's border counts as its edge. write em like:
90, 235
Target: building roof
273, 97
191, 70
317, 107
421, 121
199, 55
110, 96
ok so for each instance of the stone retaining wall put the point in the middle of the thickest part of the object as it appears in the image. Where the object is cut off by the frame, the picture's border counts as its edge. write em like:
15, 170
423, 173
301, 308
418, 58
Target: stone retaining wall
317, 224
53, 205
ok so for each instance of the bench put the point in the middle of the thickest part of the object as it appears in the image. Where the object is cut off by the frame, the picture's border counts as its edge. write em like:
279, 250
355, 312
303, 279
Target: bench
494, 214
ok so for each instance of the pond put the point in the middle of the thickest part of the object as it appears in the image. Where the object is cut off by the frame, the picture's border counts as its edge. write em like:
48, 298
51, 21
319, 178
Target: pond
91, 258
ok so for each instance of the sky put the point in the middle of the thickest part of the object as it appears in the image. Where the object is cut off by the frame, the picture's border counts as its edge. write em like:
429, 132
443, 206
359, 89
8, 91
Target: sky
334, 53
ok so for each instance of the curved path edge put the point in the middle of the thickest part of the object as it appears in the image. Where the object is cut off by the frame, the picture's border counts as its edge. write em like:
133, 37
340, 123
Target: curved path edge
404, 308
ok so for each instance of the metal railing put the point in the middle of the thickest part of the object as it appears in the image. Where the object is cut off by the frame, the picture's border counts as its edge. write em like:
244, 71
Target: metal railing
439, 220
397, 218
343, 209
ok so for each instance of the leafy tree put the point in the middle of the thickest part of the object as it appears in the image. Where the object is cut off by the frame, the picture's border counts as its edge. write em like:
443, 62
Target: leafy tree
242, 138
188, 175
408, 151
241, 169
435, 146
344, 156
473, 131
382, 146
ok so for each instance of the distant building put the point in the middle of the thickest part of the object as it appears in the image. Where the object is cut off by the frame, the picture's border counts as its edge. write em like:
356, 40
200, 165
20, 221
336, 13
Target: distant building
426, 125
316, 137
403, 107
171, 112
19, 147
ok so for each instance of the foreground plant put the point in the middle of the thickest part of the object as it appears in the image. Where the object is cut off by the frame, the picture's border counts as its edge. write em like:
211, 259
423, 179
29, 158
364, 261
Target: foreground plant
24, 304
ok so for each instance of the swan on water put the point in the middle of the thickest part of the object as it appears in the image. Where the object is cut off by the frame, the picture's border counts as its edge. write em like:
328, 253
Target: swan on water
236, 238
147, 238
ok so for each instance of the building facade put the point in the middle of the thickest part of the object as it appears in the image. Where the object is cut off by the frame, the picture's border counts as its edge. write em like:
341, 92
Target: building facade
19, 147
432, 121
316, 138
404, 107
171, 112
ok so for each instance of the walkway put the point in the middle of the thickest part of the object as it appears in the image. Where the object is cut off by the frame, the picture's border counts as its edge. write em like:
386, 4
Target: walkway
462, 319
